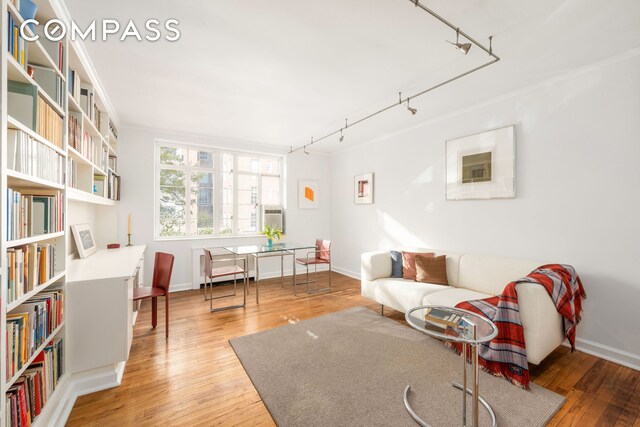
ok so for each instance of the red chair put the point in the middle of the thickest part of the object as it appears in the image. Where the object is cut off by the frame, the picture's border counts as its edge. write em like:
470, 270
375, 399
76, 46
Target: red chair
162, 268
321, 255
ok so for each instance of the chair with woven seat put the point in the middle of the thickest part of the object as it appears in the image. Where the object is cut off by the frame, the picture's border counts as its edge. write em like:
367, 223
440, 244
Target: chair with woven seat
162, 269
321, 255
234, 270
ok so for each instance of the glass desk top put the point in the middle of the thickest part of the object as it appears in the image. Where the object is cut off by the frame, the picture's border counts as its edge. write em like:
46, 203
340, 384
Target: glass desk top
263, 249
452, 324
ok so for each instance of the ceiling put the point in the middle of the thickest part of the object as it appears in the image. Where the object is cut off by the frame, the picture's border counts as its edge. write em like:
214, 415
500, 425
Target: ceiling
281, 71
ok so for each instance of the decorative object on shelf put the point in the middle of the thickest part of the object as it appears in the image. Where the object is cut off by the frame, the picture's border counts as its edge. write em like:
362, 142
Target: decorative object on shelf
307, 194
28, 10
84, 240
129, 231
113, 246
272, 233
363, 189
482, 166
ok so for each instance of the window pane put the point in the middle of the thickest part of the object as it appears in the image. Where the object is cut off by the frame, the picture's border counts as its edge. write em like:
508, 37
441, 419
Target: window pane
226, 214
172, 201
247, 203
270, 166
202, 203
270, 190
201, 159
248, 164
171, 156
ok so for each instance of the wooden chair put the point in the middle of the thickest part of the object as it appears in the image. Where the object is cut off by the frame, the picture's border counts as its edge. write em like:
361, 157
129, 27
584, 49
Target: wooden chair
162, 268
321, 255
234, 270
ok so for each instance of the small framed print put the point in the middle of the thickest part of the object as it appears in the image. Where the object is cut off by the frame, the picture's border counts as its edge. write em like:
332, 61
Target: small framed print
482, 166
84, 240
363, 189
307, 194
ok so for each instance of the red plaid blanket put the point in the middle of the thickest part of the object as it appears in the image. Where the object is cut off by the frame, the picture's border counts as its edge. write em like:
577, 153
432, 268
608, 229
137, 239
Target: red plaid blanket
506, 356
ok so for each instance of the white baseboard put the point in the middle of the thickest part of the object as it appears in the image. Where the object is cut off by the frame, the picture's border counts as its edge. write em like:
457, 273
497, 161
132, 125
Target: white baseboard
605, 352
179, 287
346, 272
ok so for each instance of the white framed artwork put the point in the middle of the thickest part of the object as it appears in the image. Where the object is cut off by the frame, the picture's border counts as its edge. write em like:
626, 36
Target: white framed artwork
482, 166
84, 240
363, 189
307, 194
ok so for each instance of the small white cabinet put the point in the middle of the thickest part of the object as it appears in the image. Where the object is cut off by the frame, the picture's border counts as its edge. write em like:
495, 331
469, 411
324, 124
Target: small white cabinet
100, 308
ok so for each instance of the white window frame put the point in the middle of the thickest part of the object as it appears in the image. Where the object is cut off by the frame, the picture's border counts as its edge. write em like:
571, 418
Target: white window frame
217, 190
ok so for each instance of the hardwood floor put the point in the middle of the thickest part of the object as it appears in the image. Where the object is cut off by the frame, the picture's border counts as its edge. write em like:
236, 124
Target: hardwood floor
194, 378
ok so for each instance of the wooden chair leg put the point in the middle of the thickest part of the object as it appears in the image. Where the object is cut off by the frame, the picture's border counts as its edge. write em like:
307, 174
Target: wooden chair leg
154, 311
166, 313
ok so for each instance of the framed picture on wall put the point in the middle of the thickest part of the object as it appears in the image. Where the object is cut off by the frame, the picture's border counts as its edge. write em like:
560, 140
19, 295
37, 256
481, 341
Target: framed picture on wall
84, 240
363, 189
307, 194
482, 166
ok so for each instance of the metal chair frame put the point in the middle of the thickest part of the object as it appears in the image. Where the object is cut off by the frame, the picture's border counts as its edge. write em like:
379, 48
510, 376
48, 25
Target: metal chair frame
315, 266
208, 282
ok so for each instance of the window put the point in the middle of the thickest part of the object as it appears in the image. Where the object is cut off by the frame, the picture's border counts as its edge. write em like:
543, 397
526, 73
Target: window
206, 192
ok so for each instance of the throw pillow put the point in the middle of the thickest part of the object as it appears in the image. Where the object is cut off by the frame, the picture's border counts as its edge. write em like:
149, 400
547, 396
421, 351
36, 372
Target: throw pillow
396, 263
431, 269
409, 264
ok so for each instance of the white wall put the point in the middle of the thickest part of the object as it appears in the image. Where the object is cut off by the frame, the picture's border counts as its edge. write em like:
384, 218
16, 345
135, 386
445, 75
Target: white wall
578, 195
136, 165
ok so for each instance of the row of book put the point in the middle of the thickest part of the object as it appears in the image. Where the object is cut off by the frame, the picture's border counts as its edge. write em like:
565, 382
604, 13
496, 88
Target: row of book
113, 183
50, 124
113, 164
89, 106
51, 82
29, 266
74, 83
29, 156
30, 325
72, 176
74, 130
16, 44
33, 214
26, 398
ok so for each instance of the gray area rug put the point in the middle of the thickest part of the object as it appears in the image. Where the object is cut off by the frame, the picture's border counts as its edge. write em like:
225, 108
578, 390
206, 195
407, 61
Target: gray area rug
350, 369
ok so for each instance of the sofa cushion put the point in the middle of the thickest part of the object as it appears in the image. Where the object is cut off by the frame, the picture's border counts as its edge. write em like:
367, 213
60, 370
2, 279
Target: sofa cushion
489, 274
401, 294
450, 297
431, 269
396, 263
409, 264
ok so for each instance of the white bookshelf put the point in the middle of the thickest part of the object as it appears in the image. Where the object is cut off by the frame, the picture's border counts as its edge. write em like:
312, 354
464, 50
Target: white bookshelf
82, 194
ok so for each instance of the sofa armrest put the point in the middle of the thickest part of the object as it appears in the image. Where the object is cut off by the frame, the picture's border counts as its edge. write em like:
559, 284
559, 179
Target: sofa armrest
543, 330
375, 265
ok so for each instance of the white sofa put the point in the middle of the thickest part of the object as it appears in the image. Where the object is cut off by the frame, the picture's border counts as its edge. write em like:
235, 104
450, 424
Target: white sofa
470, 277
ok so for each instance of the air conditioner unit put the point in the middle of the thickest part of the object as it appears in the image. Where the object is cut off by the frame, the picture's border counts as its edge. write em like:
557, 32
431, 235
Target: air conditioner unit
273, 215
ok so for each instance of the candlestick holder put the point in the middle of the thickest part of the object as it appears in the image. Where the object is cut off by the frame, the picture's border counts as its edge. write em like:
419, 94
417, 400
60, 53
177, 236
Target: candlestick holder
129, 240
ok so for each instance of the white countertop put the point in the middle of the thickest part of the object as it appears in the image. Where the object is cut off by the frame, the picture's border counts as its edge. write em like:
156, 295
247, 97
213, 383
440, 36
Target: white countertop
105, 264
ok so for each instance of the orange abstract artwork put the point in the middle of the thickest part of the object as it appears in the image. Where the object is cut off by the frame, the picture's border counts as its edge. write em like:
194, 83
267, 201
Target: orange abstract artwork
308, 194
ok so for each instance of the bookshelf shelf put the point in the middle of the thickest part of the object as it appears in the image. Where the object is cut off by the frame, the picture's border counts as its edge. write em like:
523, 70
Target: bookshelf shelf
15, 124
34, 239
33, 356
24, 298
90, 127
73, 104
20, 181
83, 196
17, 73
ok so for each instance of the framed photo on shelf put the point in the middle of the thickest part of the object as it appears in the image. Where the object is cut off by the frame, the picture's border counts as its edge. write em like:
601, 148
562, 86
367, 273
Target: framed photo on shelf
307, 194
482, 166
363, 189
84, 240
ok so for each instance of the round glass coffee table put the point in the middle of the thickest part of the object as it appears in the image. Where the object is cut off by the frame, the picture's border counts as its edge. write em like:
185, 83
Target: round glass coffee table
458, 326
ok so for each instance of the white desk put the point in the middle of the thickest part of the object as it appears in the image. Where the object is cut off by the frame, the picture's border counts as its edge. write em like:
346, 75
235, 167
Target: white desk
99, 308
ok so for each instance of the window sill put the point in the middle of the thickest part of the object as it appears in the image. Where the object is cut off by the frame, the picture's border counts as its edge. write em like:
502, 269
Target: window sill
225, 237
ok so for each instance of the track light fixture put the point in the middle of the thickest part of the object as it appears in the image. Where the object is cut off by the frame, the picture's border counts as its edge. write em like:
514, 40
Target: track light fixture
462, 47
412, 110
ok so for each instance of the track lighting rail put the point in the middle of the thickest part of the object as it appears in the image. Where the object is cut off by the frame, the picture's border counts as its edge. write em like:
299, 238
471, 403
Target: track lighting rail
489, 50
